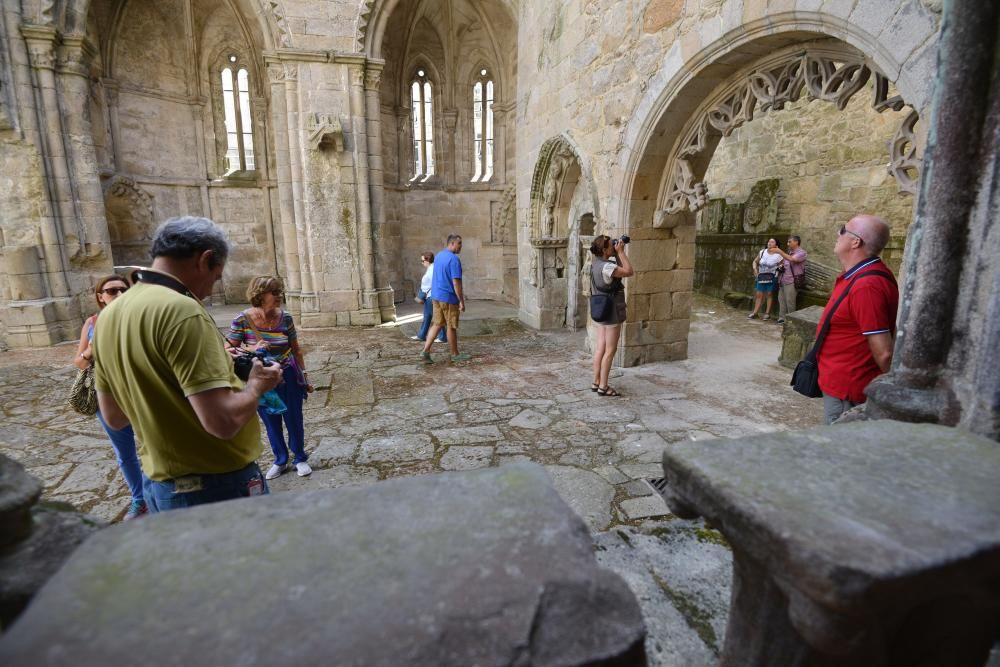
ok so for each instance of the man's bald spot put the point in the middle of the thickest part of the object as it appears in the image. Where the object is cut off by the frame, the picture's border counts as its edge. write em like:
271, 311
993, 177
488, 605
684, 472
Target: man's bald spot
873, 229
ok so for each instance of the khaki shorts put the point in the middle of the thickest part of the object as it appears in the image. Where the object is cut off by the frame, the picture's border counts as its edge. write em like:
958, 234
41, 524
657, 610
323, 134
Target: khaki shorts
445, 314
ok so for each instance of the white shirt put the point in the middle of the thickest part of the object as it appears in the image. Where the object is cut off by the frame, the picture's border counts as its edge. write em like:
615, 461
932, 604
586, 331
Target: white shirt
768, 263
425, 282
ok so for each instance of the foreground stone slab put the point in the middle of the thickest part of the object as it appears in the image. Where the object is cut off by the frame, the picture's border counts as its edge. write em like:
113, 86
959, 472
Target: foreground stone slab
487, 567
872, 543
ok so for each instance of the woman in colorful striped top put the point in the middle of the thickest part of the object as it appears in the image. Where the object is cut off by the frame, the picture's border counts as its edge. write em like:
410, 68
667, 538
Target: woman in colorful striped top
267, 326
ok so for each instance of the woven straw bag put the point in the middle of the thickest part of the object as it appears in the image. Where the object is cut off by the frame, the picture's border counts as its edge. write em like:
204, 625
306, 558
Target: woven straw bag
83, 396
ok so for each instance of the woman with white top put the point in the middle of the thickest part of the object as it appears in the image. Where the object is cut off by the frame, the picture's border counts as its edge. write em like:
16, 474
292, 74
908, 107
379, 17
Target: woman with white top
424, 297
765, 271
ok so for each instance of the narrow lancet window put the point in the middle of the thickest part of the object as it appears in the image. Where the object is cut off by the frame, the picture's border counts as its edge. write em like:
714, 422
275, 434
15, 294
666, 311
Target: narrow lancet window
422, 115
482, 126
239, 126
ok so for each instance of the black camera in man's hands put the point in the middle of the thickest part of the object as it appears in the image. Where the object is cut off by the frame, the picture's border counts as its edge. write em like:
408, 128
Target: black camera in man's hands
243, 363
623, 239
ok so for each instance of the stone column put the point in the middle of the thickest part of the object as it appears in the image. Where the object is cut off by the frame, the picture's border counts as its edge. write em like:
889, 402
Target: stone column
447, 152
387, 262
945, 366
76, 58
286, 207
295, 158
404, 159
502, 113
40, 43
111, 104
369, 313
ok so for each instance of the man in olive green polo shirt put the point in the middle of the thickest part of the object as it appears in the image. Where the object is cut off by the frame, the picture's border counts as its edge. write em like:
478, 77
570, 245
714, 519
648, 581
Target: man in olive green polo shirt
161, 365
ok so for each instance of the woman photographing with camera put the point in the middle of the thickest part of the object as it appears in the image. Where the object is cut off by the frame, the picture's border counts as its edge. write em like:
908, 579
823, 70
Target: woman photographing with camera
609, 265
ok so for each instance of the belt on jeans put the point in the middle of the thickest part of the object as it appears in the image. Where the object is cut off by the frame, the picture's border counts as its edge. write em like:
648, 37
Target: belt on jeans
192, 483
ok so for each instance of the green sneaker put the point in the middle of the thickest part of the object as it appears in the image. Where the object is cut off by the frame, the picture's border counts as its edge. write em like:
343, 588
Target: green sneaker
461, 356
426, 358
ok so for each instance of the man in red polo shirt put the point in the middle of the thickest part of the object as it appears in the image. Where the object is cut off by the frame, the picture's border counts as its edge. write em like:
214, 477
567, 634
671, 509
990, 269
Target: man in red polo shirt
858, 346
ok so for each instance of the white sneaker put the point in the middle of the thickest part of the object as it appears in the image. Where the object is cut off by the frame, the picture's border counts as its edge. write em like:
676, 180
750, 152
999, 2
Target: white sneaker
275, 471
303, 469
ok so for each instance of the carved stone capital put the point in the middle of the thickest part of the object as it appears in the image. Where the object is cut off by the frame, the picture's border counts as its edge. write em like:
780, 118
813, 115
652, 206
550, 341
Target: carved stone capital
373, 78
357, 75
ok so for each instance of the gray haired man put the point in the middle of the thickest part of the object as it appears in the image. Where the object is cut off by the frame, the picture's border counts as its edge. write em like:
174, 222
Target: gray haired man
161, 365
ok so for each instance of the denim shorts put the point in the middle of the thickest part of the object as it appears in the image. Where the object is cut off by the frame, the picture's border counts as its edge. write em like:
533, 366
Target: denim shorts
193, 490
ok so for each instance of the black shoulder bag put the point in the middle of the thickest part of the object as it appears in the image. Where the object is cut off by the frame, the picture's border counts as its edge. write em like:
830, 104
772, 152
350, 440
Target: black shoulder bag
602, 302
805, 379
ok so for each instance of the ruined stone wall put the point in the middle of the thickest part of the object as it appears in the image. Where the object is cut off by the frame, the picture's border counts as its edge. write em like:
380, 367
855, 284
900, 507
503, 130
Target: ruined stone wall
830, 165
430, 215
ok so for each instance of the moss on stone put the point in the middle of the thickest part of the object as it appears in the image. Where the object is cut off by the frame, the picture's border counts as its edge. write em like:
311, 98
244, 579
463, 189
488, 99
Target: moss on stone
696, 617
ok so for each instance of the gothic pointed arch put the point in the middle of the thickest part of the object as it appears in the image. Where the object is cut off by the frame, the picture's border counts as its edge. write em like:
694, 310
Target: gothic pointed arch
558, 158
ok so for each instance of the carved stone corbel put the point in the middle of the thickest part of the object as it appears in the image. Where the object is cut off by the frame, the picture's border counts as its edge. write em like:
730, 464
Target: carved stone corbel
325, 130
904, 165
684, 193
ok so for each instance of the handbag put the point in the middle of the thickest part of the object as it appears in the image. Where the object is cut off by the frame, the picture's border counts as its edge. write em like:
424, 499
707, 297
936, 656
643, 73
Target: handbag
805, 377
83, 395
600, 307
602, 303
766, 278
799, 279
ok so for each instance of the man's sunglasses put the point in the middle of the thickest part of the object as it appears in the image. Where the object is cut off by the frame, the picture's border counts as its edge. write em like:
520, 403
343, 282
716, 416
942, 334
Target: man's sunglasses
845, 230
114, 290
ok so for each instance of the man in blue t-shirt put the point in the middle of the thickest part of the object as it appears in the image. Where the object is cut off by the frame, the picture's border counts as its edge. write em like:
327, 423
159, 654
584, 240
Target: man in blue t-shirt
448, 298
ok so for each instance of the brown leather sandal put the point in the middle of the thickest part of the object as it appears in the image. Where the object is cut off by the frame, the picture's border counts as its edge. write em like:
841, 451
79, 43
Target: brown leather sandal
607, 391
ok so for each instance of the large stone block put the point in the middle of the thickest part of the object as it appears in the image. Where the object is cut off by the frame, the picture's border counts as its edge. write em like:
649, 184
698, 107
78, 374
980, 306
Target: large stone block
798, 335
488, 567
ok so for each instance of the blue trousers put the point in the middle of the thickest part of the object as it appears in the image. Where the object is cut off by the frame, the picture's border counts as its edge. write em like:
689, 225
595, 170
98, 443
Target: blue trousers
426, 324
163, 496
123, 442
293, 396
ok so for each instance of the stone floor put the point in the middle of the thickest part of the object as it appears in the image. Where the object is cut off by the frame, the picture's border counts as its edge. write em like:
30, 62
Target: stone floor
378, 413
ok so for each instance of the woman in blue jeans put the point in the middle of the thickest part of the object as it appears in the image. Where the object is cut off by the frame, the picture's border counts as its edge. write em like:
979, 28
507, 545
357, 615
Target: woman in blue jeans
424, 297
266, 326
108, 289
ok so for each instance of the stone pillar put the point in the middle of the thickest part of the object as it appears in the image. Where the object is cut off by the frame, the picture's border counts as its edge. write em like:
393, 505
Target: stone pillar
502, 115
40, 43
295, 158
387, 263
76, 58
450, 117
286, 206
111, 103
404, 159
369, 313
945, 367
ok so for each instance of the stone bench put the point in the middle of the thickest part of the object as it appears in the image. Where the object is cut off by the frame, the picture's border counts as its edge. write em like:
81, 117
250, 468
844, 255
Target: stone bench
487, 567
872, 543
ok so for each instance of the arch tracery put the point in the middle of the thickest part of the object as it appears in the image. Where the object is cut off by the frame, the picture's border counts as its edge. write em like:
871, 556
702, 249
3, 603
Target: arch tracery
829, 73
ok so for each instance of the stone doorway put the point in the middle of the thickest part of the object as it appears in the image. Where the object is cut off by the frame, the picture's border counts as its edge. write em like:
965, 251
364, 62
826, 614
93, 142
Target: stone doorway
563, 220
718, 91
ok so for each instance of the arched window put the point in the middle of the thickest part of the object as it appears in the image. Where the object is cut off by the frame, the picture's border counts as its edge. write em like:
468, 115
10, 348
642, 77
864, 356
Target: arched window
422, 113
239, 128
482, 126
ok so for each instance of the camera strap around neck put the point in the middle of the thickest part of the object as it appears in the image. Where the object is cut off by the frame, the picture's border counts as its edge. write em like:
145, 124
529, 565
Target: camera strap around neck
154, 277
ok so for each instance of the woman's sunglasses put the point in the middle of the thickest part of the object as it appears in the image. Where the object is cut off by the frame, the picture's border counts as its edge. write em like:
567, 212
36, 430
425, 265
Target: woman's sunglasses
114, 290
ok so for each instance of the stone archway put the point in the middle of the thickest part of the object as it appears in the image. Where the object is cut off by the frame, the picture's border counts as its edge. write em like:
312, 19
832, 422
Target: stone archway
686, 111
562, 194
